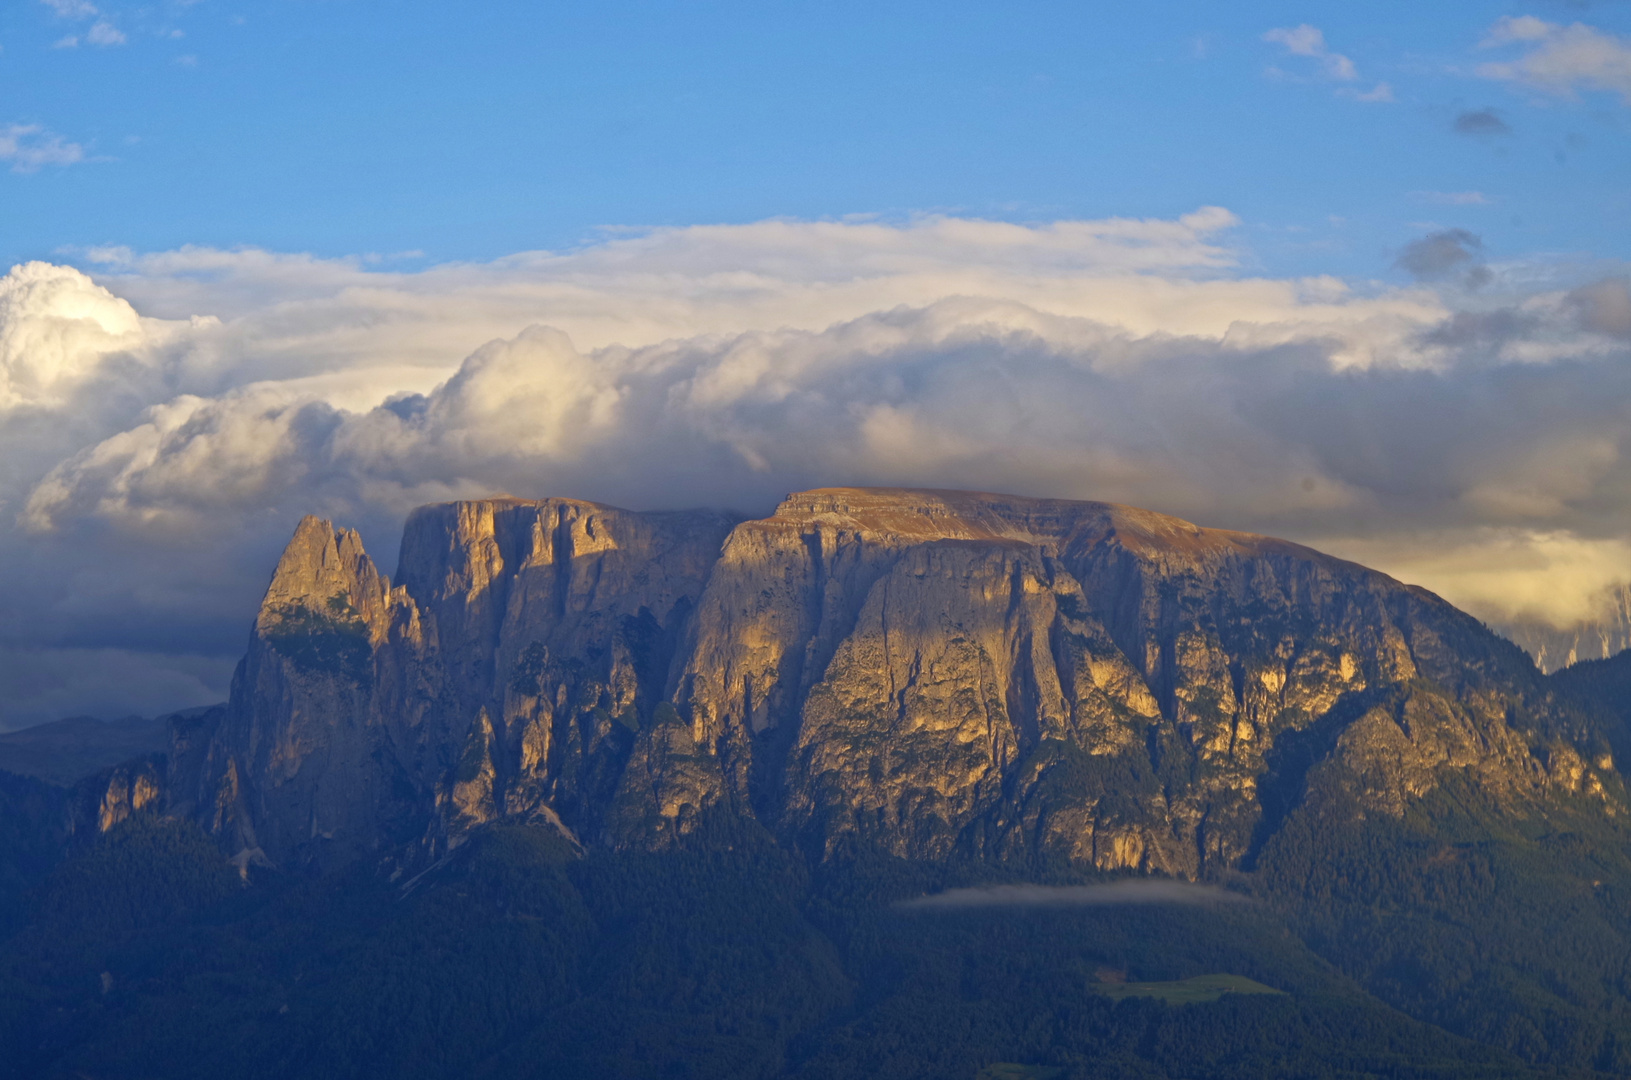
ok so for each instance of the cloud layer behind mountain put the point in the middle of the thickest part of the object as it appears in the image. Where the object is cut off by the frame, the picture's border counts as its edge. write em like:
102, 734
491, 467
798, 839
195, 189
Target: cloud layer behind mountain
165, 420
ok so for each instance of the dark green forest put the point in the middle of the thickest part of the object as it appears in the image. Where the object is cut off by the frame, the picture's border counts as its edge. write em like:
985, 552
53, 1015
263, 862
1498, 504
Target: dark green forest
1399, 955
1471, 937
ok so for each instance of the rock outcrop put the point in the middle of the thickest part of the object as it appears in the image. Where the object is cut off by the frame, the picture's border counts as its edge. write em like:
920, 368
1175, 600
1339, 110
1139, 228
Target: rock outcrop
923, 673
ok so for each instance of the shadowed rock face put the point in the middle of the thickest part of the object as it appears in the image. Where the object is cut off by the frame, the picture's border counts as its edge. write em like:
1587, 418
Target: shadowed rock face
505, 676
923, 672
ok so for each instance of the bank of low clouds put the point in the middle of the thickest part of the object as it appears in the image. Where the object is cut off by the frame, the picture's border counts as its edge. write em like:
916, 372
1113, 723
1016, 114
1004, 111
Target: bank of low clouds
166, 418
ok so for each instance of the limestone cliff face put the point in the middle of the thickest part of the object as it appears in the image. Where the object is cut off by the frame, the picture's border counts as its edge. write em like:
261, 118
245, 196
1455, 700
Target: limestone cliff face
505, 676
941, 671
310, 748
556, 623
926, 673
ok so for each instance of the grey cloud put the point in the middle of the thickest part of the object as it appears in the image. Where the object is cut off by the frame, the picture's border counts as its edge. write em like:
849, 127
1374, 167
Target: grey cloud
1437, 255
1119, 892
1480, 122
1482, 329
1605, 307
107, 682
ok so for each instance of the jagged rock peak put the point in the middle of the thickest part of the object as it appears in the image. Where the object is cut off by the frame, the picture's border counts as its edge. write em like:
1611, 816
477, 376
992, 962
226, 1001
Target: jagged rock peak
325, 573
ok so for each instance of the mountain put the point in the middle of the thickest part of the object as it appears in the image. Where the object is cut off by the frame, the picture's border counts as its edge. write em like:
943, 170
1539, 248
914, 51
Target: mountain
1598, 638
63, 752
590, 791
925, 673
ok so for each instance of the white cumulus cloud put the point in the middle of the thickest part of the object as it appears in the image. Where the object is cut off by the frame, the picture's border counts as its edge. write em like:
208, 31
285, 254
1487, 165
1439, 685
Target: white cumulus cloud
56, 328
164, 425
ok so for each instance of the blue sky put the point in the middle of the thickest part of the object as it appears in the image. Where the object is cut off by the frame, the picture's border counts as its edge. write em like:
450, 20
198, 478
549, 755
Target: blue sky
471, 131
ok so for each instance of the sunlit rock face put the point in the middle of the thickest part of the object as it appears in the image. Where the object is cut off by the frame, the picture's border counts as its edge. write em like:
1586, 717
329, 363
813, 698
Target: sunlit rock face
923, 673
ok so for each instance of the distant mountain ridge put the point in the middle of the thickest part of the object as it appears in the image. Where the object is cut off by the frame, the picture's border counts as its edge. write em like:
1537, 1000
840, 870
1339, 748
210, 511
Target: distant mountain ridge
66, 751
1594, 639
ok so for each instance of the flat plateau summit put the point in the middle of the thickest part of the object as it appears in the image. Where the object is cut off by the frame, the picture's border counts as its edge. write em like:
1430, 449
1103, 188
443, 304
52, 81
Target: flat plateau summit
926, 674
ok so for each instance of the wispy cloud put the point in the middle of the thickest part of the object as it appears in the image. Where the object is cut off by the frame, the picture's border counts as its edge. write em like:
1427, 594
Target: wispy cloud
1309, 41
1454, 198
104, 33
1560, 59
72, 9
29, 147
1380, 92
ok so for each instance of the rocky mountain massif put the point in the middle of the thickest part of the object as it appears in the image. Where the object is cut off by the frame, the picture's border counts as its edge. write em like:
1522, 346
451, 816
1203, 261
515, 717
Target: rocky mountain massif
925, 673
591, 792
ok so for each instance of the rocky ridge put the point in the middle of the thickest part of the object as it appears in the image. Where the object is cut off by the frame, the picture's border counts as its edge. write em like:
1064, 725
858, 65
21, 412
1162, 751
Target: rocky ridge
923, 673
